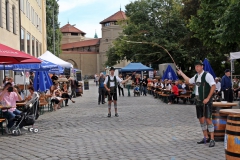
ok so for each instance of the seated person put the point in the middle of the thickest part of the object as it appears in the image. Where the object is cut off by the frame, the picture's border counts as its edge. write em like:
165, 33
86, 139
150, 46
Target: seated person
32, 94
169, 85
137, 88
154, 87
184, 88
174, 93
56, 96
218, 89
10, 95
54, 79
66, 95
31, 98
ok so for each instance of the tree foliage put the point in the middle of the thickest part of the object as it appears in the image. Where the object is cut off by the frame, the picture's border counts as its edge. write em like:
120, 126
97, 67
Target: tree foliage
188, 29
52, 6
152, 22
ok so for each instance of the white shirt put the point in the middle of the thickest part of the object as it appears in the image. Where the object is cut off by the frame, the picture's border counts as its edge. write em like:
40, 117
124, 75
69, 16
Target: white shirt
209, 79
218, 86
162, 85
112, 84
183, 85
168, 87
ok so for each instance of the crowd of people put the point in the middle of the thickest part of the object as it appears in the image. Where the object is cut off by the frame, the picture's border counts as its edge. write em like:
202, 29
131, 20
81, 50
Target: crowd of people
11, 94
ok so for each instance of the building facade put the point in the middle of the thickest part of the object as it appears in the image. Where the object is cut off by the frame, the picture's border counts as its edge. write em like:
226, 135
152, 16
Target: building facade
89, 54
9, 27
33, 38
110, 31
9, 23
80, 51
23, 27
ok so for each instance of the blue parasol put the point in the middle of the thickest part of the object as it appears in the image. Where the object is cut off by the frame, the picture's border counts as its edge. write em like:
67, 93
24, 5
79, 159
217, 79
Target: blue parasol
170, 74
42, 81
43, 66
207, 67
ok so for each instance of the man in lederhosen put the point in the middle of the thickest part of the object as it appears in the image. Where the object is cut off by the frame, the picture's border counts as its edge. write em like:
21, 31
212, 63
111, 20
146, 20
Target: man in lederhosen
205, 87
110, 85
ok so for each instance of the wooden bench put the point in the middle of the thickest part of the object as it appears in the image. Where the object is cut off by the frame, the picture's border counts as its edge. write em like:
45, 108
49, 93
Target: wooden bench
186, 96
165, 97
42, 103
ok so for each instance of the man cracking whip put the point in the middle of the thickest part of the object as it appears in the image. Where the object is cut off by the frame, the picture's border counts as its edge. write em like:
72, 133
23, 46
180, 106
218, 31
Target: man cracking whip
110, 84
205, 87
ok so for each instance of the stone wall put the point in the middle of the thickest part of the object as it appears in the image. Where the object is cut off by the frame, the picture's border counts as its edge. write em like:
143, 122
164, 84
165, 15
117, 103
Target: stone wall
87, 62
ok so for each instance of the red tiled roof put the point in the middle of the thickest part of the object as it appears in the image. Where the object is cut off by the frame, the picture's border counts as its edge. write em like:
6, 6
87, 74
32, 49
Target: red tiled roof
120, 15
68, 28
78, 52
91, 42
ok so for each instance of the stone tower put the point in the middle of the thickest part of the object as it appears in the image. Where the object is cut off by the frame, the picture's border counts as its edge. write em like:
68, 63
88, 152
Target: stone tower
110, 31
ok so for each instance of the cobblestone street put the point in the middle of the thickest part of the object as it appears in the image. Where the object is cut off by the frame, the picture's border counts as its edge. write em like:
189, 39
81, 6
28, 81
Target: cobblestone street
146, 128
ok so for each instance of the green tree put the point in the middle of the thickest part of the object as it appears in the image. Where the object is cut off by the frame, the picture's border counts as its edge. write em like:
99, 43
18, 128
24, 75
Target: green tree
216, 26
154, 23
52, 8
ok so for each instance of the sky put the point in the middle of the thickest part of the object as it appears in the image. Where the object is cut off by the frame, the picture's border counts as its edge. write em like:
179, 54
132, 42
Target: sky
86, 14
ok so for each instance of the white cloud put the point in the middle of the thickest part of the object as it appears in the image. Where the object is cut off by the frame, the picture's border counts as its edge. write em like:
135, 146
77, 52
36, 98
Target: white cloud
87, 14
66, 5
89, 28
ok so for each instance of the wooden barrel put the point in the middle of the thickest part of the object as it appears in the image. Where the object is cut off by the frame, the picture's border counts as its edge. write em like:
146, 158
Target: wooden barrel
219, 121
232, 137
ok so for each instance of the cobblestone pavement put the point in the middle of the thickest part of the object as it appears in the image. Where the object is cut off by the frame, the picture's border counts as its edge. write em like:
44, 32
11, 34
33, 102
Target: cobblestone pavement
145, 129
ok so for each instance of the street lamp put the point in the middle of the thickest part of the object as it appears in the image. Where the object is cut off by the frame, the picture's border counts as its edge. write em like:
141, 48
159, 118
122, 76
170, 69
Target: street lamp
54, 28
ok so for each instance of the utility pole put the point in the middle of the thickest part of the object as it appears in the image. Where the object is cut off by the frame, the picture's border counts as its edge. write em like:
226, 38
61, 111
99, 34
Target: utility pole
54, 28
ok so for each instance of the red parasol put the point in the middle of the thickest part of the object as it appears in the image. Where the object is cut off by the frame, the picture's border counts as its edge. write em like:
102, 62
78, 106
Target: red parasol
9, 55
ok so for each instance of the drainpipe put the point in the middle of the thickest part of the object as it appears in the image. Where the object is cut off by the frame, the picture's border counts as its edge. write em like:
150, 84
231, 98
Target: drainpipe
19, 23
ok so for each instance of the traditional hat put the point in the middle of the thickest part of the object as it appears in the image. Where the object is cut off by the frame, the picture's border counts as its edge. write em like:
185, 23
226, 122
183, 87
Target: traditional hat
227, 70
198, 62
112, 68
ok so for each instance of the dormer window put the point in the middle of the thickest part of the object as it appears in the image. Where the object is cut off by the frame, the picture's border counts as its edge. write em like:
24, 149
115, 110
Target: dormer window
107, 24
74, 34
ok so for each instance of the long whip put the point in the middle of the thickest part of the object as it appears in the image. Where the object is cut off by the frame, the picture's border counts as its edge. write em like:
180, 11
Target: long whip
155, 44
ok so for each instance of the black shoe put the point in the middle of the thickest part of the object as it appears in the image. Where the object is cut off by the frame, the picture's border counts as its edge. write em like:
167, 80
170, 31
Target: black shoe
98, 103
66, 105
207, 140
116, 115
212, 143
103, 102
109, 115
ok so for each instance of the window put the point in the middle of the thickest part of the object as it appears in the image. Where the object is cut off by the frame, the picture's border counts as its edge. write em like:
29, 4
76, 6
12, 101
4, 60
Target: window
28, 43
33, 46
22, 43
32, 16
7, 14
37, 53
22, 5
40, 25
28, 10
14, 19
36, 20
1, 13
40, 49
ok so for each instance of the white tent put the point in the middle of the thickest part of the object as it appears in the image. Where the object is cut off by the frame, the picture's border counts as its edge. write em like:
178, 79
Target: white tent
234, 55
48, 56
